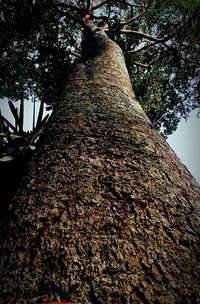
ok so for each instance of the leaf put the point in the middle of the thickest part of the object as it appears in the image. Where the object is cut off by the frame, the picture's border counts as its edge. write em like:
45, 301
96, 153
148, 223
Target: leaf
32, 147
21, 115
6, 158
40, 114
16, 116
7, 124
13, 136
41, 125
3, 134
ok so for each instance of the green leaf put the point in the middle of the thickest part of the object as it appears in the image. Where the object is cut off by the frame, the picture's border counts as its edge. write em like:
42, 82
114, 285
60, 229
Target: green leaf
32, 147
6, 158
13, 136
21, 115
7, 123
3, 134
40, 114
41, 125
16, 116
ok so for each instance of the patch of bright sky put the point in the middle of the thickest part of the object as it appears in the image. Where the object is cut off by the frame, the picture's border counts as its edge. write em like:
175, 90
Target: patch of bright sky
28, 110
185, 141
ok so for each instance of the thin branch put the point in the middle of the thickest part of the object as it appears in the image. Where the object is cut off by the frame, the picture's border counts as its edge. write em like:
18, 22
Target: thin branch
75, 54
151, 38
105, 28
141, 34
138, 6
89, 7
176, 31
146, 46
67, 14
179, 29
146, 65
75, 7
100, 17
105, 19
178, 54
131, 20
121, 23
188, 60
74, 19
162, 40
98, 5
142, 65
155, 39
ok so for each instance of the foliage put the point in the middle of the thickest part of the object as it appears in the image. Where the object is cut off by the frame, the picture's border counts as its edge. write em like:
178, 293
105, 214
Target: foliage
15, 142
34, 57
17, 148
39, 39
165, 73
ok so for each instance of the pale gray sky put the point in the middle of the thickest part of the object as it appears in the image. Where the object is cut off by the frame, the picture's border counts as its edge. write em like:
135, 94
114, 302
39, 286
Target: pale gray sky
185, 141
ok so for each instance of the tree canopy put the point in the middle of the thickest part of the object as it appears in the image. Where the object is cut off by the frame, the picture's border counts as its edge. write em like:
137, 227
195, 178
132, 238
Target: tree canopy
160, 39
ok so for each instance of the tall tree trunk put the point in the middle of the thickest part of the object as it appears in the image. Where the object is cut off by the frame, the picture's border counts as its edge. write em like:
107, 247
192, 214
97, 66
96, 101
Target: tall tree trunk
106, 212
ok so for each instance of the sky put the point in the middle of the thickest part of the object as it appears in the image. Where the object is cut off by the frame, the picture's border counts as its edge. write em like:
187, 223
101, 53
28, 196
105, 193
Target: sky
185, 141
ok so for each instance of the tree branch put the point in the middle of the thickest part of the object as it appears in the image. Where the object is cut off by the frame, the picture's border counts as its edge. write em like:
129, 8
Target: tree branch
67, 14
131, 20
141, 34
75, 54
177, 54
146, 46
155, 39
179, 29
146, 65
161, 40
75, 7
106, 19
89, 7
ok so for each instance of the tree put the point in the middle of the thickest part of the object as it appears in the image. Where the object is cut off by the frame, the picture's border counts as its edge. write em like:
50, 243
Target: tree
106, 212
39, 40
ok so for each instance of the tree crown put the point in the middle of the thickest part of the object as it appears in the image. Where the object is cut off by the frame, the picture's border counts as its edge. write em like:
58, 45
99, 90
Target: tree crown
160, 41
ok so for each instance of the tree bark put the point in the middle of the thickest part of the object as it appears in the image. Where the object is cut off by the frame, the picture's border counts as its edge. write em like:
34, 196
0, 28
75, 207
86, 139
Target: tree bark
106, 213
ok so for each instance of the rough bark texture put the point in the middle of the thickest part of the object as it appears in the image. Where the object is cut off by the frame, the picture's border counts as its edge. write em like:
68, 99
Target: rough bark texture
106, 213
